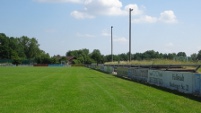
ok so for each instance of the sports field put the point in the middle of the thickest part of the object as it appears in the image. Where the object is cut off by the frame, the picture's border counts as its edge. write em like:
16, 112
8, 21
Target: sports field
82, 90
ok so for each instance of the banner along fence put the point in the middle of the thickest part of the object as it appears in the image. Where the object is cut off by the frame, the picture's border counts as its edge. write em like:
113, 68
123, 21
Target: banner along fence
185, 82
138, 74
180, 81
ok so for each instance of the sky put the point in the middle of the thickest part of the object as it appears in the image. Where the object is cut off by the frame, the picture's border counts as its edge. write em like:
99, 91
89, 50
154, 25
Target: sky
166, 26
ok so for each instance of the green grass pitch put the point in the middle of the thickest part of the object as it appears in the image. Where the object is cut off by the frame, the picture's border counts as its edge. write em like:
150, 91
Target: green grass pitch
82, 90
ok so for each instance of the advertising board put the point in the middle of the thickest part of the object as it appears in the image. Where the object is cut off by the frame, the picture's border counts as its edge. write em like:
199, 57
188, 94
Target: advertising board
102, 68
122, 72
138, 74
197, 84
180, 81
108, 69
157, 77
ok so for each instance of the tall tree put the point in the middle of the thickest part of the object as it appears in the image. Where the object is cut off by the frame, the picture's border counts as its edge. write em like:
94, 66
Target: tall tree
33, 48
194, 56
17, 49
82, 56
199, 55
181, 54
171, 55
29, 46
96, 55
4, 46
123, 57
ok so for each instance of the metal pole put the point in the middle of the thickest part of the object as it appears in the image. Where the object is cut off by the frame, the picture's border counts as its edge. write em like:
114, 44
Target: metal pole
111, 44
130, 33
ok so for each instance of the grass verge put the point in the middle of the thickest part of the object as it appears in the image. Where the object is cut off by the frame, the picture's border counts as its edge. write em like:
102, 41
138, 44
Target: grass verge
159, 62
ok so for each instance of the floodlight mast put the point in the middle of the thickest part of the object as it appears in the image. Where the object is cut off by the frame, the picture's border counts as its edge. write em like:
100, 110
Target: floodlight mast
130, 33
111, 44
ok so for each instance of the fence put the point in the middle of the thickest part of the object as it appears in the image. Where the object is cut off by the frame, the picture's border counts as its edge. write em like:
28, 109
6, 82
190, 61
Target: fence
185, 82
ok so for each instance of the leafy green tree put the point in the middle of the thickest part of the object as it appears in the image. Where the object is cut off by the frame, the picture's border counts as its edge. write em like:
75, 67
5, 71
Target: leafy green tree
171, 55
181, 54
107, 58
33, 48
96, 56
123, 57
29, 46
82, 56
13, 48
54, 60
43, 58
4, 46
194, 56
199, 55
138, 56
75, 61
17, 61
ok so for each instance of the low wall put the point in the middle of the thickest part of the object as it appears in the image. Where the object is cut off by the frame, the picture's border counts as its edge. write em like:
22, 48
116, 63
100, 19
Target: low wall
138, 74
106, 69
180, 81
185, 82
122, 72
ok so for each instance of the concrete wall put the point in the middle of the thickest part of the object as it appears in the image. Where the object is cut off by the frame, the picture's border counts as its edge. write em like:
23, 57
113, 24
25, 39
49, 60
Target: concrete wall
138, 74
180, 81
185, 82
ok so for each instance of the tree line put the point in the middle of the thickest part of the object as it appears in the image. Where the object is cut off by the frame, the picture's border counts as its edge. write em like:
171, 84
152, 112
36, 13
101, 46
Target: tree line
84, 57
19, 50
26, 50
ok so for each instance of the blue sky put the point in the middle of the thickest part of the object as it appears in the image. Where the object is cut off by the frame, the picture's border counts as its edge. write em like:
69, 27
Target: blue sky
63, 25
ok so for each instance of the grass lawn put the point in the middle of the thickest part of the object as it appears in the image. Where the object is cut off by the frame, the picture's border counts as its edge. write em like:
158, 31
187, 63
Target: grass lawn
82, 90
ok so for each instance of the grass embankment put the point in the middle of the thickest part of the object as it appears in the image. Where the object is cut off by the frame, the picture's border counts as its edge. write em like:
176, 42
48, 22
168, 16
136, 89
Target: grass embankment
158, 62
82, 90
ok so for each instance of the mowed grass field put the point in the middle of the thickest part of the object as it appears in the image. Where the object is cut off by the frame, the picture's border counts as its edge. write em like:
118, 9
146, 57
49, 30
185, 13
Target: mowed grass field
82, 90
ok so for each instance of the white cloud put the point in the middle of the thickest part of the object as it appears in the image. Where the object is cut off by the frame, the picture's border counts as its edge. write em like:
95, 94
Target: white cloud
81, 15
106, 33
168, 17
85, 35
145, 19
120, 40
106, 7
103, 7
93, 8
136, 10
165, 17
60, 1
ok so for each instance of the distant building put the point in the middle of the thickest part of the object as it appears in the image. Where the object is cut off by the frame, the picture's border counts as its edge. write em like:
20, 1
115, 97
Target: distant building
70, 59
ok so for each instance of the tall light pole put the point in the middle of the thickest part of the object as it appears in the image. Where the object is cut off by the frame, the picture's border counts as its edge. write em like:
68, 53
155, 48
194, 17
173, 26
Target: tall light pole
111, 44
130, 33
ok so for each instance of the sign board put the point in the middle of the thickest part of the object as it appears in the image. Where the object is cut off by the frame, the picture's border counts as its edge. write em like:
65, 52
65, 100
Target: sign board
138, 74
157, 77
122, 72
102, 68
180, 81
108, 69
197, 84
